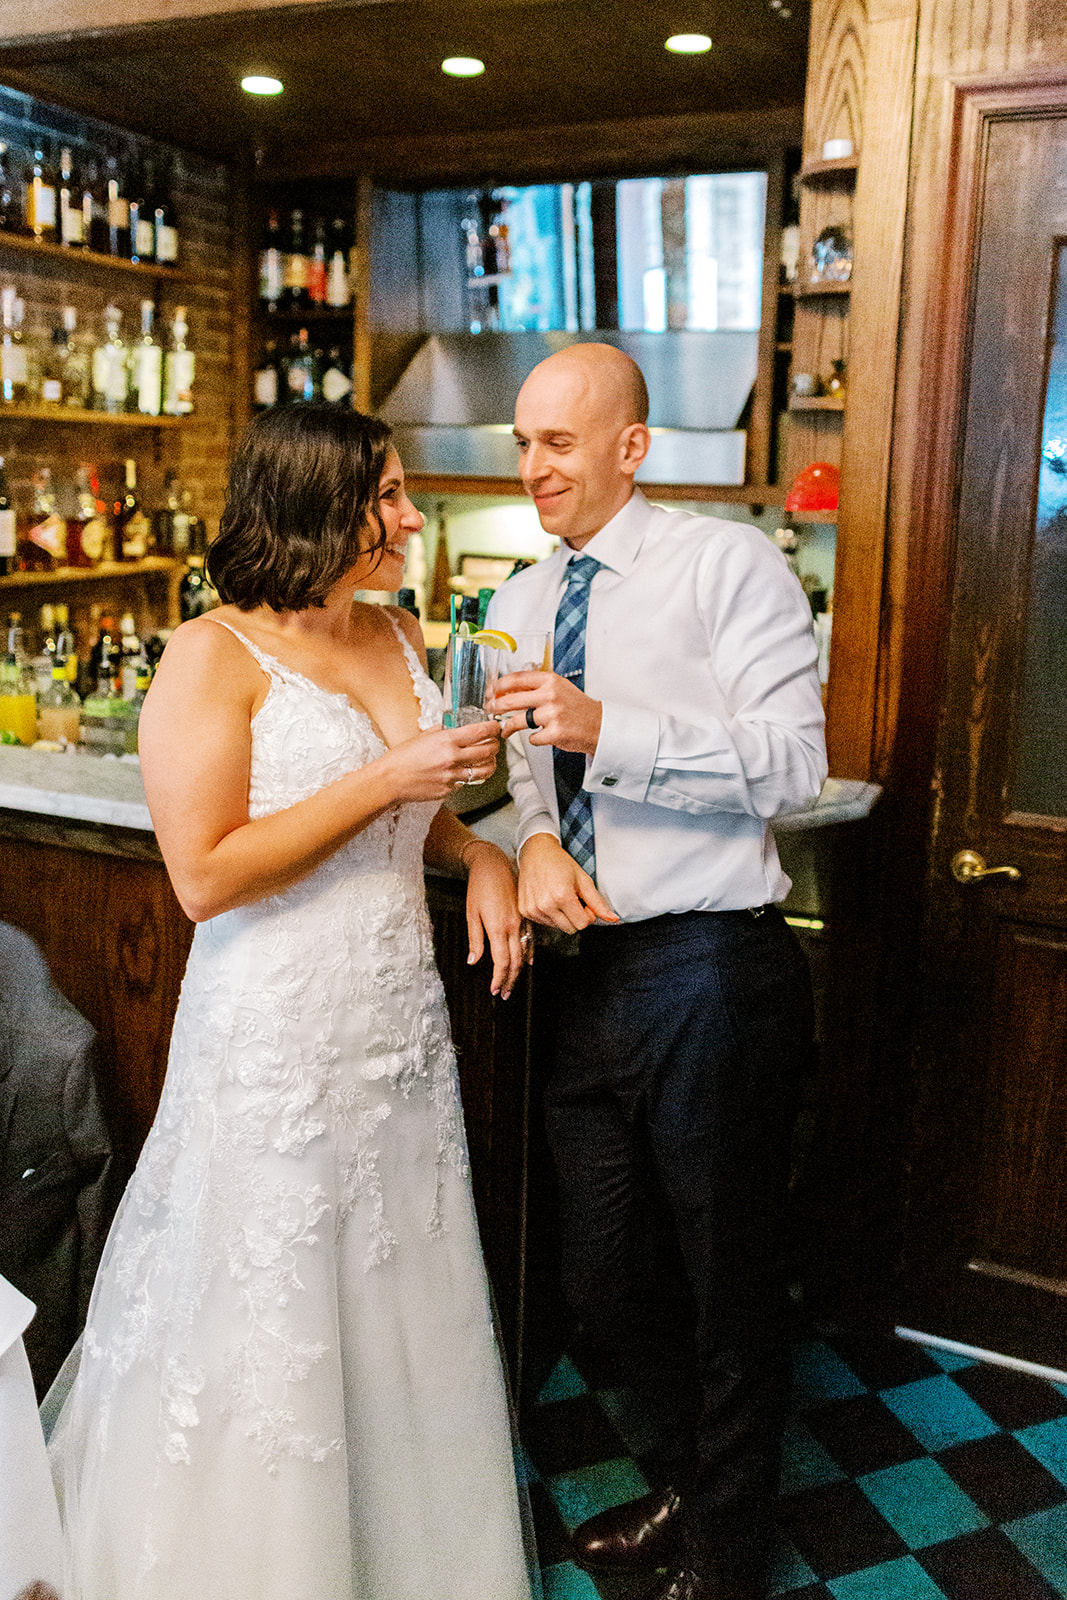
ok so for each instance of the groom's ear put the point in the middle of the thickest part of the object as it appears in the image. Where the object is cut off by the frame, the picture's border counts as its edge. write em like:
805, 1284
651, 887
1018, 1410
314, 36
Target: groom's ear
634, 442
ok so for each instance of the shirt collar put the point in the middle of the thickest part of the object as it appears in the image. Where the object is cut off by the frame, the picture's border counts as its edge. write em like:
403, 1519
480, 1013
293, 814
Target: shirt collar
618, 542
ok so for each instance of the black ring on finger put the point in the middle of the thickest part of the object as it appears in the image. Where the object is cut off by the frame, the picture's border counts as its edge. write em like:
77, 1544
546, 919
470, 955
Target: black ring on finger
530, 722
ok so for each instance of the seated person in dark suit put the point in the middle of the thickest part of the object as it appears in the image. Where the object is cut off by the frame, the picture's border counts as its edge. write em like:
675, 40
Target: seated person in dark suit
59, 1183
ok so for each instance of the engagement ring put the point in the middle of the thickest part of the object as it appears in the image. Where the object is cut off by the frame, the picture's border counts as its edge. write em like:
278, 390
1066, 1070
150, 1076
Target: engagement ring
470, 775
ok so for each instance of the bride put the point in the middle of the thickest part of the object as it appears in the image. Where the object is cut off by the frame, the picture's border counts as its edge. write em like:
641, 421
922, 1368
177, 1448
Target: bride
289, 1383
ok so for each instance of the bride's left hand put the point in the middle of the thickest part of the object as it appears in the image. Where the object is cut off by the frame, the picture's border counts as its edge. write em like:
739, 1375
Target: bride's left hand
493, 912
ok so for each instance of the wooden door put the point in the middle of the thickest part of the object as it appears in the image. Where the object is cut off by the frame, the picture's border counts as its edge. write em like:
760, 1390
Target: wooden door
987, 1241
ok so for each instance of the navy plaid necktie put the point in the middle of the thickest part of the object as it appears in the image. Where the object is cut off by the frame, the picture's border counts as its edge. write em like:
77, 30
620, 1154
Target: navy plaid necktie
568, 659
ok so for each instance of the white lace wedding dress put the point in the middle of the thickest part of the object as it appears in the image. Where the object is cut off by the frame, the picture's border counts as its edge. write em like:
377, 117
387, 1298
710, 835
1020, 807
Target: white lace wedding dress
289, 1386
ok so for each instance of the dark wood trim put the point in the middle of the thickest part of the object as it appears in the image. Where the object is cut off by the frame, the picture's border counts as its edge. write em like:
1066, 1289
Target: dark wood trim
694, 142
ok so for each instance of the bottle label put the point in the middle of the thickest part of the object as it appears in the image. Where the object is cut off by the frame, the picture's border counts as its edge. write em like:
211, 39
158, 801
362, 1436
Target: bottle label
118, 212
13, 363
180, 532
338, 291
146, 237
295, 271
7, 532
71, 223
335, 384
166, 242
52, 391
135, 537
95, 534
270, 275
109, 373
149, 379
50, 535
316, 278
299, 380
41, 211
266, 387
180, 369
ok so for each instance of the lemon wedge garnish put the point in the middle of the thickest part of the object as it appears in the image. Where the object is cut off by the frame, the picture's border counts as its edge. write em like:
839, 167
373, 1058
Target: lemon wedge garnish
495, 639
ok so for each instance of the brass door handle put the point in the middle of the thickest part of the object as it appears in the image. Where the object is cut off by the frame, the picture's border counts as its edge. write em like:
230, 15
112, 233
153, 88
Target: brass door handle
968, 866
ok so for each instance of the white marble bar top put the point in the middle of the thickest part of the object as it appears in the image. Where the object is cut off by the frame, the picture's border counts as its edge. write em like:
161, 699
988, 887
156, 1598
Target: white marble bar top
95, 789
76, 787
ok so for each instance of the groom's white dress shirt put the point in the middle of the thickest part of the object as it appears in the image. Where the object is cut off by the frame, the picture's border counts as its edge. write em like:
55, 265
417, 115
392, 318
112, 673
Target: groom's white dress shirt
699, 646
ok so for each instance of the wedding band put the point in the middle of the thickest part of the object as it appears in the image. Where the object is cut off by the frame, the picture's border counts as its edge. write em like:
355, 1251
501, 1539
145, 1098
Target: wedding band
470, 775
530, 722
524, 938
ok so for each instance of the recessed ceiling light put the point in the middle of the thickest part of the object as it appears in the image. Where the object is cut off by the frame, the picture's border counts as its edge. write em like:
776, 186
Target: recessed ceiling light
259, 83
688, 44
463, 66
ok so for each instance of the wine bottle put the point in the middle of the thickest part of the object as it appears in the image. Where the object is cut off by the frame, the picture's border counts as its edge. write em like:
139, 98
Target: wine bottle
338, 285
118, 212
265, 378
11, 212
271, 265
146, 362
132, 527
71, 213
42, 544
94, 200
296, 265
41, 195
13, 365
7, 526
316, 267
179, 369
142, 215
166, 222
111, 365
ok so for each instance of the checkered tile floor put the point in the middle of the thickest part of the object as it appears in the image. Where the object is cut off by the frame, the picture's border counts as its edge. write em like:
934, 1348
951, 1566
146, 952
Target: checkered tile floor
909, 1474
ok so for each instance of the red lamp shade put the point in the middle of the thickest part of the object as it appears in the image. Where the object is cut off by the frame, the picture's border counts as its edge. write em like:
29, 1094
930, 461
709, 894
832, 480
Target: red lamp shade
815, 488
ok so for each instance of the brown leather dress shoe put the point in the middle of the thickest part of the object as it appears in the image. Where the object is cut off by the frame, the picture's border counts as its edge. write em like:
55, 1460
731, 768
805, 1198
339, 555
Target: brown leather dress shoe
638, 1534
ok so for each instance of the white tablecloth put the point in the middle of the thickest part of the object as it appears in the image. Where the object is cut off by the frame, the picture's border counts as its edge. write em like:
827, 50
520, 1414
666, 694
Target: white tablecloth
31, 1546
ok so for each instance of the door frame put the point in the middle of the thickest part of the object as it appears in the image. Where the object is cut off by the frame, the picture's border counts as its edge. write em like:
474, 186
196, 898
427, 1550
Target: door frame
973, 105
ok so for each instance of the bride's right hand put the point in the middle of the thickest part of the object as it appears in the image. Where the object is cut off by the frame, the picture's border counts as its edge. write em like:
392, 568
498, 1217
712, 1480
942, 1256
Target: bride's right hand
432, 764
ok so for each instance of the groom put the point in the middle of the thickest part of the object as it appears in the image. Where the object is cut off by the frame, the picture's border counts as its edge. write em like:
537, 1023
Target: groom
682, 712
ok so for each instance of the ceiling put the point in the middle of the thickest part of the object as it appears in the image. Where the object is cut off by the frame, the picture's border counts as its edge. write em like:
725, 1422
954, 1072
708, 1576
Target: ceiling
367, 72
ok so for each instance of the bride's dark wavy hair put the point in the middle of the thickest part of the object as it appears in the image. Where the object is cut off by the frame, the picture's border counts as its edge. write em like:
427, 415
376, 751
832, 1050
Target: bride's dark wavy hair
301, 506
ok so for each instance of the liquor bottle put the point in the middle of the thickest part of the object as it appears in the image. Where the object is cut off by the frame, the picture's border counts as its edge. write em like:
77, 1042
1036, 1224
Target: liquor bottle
142, 214
130, 654
41, 195
12, 350
265, 378
111, 360
271, 265
179, 369
338, 283
118, 211
37, 343
95, 198
132, 527
66, 645
102, 728
59, 709
45, 659
294, 280
195, 592
166, 222
7, 526
41, 544
337, 378
316, 267
135, 700
18, 701
94, 536
71, 196
78, 364
300, 370
68, 507
52, 365
146, 368
11, 209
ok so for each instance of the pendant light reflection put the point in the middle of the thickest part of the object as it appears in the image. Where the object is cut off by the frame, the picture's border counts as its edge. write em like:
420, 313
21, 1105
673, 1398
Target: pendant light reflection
462, 66
259, 83
688, 44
